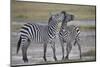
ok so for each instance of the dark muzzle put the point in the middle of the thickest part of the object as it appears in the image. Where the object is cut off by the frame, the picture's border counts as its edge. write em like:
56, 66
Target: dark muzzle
72, 17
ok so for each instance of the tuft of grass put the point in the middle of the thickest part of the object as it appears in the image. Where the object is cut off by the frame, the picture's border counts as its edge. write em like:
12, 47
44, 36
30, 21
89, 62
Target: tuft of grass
21, 16
88, 27
91, 52
67, 61
15, 28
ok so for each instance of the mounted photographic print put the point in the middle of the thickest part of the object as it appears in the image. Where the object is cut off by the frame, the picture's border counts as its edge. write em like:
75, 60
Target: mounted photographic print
52, 33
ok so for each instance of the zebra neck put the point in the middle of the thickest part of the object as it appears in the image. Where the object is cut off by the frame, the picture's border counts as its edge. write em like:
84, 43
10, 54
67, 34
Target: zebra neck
52, 29
63, 25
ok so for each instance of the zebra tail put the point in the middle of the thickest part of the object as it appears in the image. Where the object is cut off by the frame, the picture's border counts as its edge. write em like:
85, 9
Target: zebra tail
18, 45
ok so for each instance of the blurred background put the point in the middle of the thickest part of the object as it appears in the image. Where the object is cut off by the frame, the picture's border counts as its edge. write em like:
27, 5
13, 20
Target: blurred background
32, 11
35, 12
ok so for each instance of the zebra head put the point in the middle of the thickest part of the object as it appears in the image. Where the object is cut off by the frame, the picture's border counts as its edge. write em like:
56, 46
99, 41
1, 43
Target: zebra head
58, 17
67, 17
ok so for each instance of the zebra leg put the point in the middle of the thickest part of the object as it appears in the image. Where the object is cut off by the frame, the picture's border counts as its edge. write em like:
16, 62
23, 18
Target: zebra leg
24, 50
62, 45
54, 50
79, 47
68, 49
45, 48
75, 42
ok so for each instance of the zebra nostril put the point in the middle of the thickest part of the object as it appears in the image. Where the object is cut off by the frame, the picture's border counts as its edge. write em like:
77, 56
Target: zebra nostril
72, 17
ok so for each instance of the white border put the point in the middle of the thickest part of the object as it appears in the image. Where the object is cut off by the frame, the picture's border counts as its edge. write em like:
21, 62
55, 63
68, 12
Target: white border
85, 2
5, 33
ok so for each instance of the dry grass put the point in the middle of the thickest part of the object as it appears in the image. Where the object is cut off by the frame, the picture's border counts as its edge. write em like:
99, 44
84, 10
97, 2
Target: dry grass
32, 11
91, 52
42, 11
92, 27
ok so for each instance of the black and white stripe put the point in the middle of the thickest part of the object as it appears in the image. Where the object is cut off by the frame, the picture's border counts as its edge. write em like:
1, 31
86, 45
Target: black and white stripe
31, 31
40, 34
69, 34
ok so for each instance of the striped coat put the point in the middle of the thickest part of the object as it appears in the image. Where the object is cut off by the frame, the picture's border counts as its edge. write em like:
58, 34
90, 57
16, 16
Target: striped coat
43, 34
69, 34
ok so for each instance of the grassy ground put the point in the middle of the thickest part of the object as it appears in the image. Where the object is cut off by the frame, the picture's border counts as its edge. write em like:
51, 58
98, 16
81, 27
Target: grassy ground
92, 27
16, 27
35, 52
91, 52
42, 11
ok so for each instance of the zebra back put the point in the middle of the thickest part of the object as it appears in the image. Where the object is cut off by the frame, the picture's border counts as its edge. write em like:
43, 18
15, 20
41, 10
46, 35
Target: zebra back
38, 33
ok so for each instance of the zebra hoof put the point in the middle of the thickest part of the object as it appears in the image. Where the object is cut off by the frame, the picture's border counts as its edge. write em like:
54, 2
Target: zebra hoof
25, 60
66, 57
45, 59
62, 58
80, 57
55, 58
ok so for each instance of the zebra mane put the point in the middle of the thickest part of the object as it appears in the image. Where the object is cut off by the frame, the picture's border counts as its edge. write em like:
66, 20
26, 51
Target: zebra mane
50, 19
64, 20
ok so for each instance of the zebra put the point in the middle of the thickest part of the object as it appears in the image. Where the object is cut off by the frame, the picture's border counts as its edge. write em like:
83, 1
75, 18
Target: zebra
43, 34
68, 34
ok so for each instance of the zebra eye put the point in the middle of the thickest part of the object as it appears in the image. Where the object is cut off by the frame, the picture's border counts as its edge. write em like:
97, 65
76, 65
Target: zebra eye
57, 15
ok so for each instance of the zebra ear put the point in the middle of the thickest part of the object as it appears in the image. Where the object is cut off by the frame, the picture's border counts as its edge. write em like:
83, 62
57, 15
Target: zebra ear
50, 19
51, 14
